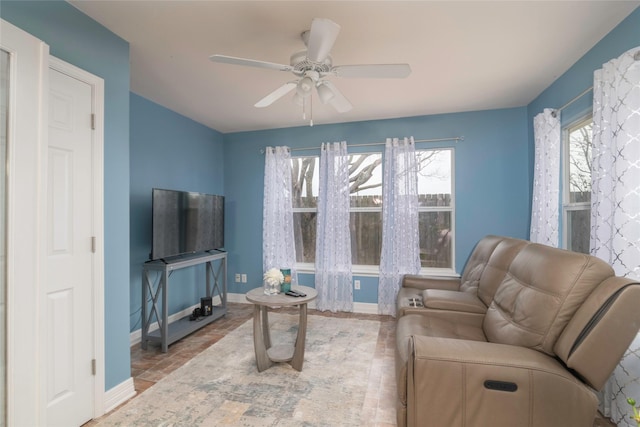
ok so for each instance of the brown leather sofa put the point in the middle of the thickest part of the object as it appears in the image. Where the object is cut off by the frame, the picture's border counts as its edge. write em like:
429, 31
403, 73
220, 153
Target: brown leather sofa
524, 338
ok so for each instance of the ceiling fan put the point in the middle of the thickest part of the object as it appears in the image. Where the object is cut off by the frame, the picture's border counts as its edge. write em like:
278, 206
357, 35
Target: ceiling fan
314, 65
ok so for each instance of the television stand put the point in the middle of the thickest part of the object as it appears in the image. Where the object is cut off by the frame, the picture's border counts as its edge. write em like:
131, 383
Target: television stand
155, 289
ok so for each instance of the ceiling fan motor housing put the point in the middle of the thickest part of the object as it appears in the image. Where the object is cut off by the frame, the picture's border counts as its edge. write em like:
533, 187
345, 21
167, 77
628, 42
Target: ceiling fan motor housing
301, 64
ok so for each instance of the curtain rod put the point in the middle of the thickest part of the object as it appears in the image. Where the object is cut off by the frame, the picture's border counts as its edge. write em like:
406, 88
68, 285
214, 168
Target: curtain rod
558, 110
636, 57
454, 138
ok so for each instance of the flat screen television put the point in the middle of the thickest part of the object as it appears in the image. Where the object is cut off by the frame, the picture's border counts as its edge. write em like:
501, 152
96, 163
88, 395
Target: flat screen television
186, 223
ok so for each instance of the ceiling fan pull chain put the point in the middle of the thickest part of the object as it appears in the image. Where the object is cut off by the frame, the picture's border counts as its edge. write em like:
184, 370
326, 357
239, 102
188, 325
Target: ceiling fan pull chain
304, 109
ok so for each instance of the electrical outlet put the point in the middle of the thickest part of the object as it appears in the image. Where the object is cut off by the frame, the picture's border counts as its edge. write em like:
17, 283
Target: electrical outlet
244, 278
237, 277
356, 284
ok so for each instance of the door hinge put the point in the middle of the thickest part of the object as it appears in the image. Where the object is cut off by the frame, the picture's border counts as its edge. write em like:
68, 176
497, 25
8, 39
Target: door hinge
93, 244
93, 121
93, 366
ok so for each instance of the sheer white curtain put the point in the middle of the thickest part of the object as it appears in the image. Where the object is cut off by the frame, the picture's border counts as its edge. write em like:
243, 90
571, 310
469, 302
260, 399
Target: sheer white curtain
278, 244
333, 238
400, 238
546, 179
615, 199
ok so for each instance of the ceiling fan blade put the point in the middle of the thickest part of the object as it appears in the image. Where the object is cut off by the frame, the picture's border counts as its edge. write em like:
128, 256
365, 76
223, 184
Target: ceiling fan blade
275, 95
339, 102
322, 36
374, 71
250, 62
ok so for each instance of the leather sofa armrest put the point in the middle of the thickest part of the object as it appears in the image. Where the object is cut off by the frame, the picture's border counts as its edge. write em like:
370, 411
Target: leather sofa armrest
452, 301
431, 282
460, 383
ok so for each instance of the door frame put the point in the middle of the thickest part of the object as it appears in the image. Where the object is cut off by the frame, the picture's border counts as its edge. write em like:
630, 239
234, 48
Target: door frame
26, 149
97, 91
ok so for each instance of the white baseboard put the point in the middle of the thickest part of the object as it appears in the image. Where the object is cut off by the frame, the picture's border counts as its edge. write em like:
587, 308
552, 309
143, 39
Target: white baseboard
239, 298
365, 308
119, 394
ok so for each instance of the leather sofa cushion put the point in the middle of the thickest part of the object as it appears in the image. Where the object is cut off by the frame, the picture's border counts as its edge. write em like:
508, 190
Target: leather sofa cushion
430, 282
477, 262
453, 301
540, 294
497, 267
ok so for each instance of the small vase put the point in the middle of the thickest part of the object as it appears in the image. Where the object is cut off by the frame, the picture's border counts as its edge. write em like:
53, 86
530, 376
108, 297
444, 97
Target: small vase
270, 289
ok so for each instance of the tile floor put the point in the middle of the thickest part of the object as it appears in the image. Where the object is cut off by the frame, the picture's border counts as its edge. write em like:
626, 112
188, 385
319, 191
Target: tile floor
151, 365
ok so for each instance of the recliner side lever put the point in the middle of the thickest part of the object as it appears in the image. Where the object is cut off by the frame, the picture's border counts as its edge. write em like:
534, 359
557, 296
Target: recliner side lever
500, 385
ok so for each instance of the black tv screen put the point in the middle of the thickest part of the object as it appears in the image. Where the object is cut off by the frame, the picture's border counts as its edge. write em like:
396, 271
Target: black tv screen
186, 222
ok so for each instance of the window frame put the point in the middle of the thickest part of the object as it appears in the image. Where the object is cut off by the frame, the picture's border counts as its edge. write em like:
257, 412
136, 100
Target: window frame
567, 205
374, 270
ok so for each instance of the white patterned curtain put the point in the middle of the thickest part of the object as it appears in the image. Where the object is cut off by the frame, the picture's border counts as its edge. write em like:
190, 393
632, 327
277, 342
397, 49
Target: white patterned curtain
333, 237
615, 200
400, 238
546, 179
278, 244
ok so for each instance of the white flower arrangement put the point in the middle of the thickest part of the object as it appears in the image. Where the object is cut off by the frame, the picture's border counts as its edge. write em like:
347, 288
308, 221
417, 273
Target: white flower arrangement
273, 277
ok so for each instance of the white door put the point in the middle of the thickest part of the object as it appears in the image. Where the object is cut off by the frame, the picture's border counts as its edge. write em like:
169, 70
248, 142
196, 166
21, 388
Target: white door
69, 254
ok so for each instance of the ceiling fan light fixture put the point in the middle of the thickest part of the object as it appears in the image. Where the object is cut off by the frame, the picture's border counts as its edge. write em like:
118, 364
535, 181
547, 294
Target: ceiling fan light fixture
305, 85
298, 99
325, 93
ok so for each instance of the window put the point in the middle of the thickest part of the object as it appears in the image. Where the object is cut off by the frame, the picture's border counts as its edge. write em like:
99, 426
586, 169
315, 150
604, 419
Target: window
435, 209
577, 186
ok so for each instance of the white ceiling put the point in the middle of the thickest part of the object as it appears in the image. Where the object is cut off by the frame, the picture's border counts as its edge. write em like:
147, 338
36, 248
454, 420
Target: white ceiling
465, 56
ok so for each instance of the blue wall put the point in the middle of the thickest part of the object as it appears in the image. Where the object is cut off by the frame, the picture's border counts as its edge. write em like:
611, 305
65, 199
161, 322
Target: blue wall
580, 77
492, 186
173, 152
79, 40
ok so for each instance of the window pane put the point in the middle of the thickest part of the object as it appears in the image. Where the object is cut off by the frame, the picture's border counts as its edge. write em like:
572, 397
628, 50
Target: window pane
435, 189
304, 180
365, 180
435, 239
366, 237
434, 177
304, 231
580, 164
578, 223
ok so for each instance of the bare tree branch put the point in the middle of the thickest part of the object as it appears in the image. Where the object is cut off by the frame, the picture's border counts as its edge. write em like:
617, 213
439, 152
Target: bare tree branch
364, 176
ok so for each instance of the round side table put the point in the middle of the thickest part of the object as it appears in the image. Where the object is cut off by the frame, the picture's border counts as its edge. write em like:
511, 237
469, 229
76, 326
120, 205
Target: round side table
266, 354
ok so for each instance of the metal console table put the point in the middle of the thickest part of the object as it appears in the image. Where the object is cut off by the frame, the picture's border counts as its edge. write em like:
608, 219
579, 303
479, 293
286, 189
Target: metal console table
155, 290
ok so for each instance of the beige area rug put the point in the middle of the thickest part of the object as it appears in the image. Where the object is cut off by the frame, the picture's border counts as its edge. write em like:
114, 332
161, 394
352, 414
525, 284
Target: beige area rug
222, 387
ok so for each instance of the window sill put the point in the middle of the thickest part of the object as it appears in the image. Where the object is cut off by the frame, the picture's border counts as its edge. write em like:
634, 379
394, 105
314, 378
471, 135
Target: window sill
374, 270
